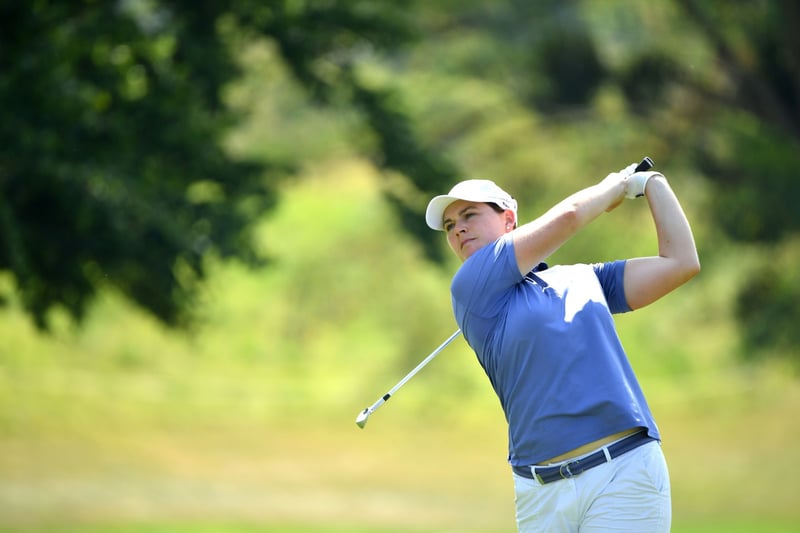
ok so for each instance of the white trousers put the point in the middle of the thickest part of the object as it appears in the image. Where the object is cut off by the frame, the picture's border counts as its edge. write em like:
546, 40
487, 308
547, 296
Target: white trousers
630, 493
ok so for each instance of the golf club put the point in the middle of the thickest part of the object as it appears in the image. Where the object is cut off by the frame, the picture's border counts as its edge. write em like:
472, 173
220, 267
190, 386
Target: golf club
361, 420
645, 164
363, 416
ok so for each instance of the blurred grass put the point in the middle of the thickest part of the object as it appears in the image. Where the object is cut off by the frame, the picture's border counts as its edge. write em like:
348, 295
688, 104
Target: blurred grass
183, 528
123, 425
722, 526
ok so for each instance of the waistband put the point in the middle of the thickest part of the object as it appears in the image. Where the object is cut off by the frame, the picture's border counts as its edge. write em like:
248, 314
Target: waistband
571, 468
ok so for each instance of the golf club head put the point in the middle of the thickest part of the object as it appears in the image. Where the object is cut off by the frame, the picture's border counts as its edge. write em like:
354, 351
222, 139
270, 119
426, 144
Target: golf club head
361, 419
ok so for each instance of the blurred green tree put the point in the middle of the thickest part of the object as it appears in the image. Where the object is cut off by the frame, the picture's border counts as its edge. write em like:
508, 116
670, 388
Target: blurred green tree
717, 81
748, 144
112, 169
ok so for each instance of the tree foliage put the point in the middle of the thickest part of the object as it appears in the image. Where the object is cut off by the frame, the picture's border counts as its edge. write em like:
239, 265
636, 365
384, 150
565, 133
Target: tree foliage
717, 82
750, 149
110, 166
113, 171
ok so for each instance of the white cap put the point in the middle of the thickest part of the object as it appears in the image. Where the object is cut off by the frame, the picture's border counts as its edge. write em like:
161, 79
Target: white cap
471, 191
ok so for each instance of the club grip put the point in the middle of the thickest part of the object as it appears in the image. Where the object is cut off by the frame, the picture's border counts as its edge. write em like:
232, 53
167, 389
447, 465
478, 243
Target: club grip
646, 164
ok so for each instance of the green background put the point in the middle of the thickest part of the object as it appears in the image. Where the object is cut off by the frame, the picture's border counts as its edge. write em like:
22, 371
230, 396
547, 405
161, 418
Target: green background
111, 420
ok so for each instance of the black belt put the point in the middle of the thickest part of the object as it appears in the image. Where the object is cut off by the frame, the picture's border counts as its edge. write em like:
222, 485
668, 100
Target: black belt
568, 469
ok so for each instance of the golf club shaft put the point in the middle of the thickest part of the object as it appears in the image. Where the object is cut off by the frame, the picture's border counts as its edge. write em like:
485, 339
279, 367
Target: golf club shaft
361, 420
411, 374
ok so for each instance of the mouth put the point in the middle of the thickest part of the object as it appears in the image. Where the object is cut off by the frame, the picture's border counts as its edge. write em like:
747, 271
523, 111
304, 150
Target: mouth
466, 241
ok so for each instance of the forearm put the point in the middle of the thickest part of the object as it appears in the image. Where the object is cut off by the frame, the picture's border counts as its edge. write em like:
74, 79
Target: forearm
590, 203
675, 239
536, 240
649, 278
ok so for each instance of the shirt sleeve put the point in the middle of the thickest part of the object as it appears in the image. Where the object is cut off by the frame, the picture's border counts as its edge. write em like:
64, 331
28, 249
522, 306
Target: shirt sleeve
612, 276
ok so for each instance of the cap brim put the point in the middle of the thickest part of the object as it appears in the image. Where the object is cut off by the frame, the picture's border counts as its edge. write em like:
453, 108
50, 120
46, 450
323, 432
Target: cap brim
435, 211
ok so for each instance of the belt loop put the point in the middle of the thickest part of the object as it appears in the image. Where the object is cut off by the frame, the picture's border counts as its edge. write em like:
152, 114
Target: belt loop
607, 454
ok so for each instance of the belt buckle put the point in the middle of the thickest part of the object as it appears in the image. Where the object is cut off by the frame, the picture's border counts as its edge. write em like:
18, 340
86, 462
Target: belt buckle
564, 470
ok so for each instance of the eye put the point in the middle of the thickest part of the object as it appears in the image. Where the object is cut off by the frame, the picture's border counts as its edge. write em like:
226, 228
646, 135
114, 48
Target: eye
449, 226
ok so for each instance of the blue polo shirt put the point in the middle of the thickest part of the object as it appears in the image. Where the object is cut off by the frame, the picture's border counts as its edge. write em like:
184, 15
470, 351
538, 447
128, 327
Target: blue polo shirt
548, 343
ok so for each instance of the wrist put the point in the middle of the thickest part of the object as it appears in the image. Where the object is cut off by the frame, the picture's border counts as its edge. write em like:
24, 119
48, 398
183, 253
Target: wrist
636, 184
655, 182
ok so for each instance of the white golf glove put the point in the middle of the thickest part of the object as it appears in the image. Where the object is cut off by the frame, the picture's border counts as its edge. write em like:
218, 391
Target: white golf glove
627, 171
636, 182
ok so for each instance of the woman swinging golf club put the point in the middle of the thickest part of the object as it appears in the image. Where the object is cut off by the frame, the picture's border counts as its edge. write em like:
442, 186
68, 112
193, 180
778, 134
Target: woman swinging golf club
583, 446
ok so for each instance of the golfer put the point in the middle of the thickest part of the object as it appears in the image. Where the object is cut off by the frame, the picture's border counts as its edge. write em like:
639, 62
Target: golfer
584, 448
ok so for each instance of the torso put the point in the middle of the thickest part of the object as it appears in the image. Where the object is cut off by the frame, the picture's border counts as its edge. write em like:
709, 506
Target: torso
551, 352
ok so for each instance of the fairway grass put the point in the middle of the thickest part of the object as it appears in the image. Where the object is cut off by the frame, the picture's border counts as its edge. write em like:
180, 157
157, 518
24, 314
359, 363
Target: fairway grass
101, 466
718, 527
731, 452
400, 475
158, 438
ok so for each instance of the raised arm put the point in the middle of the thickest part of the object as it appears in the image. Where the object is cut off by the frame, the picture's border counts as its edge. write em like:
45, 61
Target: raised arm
536, 240
649, 278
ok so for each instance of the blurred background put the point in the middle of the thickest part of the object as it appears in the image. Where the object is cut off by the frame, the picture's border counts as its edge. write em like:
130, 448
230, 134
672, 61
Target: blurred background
213, 253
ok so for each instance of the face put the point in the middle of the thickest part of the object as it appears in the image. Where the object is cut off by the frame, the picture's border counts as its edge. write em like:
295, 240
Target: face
472, 225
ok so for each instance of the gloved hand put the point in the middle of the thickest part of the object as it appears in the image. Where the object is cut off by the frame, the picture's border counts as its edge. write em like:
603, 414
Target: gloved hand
627, 171
636, 182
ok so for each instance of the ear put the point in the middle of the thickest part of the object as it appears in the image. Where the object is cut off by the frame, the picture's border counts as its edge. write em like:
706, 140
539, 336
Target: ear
510, 222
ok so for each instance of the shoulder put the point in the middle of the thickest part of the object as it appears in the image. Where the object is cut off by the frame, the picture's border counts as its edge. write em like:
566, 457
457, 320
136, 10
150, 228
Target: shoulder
493, 263
484, 282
